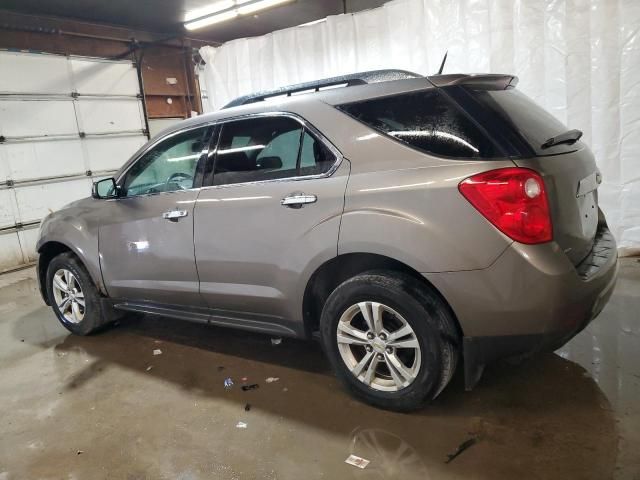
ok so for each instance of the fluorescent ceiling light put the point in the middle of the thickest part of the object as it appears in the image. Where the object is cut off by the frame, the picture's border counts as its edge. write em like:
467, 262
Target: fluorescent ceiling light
213, 19
223, 10
209, 9
254, 7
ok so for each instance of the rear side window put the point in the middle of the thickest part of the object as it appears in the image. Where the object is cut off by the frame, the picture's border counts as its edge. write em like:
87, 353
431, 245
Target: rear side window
427, 121
268, 148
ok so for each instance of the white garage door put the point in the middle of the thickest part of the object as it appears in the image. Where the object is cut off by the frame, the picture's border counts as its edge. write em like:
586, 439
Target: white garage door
64, 121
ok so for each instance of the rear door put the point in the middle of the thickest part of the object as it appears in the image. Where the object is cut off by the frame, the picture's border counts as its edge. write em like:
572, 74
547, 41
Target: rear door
146, 243
269, 217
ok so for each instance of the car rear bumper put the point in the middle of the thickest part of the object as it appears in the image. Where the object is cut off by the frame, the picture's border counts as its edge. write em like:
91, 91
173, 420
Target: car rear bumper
531, 299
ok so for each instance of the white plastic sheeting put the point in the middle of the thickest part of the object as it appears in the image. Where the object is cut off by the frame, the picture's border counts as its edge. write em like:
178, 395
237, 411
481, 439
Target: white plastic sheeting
580, 59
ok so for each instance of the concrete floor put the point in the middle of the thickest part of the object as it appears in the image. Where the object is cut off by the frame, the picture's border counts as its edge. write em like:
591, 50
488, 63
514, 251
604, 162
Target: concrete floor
91, 408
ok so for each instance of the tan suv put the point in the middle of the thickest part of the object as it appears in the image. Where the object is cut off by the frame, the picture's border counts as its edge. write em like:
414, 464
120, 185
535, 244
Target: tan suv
406, 221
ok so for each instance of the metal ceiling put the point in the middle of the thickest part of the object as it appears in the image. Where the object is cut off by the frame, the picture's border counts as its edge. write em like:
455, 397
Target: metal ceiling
166, 16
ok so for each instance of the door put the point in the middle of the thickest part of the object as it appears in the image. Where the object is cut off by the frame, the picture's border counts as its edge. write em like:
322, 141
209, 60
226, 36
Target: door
146, 244
270, 216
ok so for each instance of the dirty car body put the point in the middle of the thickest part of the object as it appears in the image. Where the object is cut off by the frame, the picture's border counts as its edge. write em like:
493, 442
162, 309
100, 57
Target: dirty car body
256, 215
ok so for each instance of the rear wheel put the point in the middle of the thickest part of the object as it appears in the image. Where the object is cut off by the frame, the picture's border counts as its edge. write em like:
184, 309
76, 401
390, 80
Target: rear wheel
73, 297
390, 340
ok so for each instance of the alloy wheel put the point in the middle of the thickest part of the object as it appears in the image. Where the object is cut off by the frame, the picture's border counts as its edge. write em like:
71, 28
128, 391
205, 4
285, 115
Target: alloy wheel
378, 346
68, 295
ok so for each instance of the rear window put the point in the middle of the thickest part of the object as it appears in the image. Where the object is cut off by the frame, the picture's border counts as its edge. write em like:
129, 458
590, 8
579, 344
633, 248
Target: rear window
425, 120
516, 111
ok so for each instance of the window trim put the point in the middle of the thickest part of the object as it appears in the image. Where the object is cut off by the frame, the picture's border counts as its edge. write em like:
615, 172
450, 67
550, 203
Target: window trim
211, 155
209, 152
199, 177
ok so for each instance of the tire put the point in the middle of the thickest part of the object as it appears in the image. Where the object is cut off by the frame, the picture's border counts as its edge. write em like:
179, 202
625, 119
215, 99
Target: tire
404, 301
92, 315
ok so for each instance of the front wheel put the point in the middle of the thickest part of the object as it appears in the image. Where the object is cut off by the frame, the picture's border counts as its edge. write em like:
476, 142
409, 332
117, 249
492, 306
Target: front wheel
390, 339
73, 296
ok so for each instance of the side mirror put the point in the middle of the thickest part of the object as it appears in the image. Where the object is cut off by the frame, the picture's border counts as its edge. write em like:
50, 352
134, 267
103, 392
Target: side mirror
105, 188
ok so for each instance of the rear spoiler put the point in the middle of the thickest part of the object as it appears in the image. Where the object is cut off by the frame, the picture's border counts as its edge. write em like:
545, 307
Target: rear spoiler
488, 81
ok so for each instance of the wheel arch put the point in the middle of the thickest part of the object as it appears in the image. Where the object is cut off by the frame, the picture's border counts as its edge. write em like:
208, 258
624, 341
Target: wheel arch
47, 252
342, 267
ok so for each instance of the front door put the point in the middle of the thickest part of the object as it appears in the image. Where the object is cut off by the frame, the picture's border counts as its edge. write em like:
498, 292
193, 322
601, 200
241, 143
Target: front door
270, 216
146, 243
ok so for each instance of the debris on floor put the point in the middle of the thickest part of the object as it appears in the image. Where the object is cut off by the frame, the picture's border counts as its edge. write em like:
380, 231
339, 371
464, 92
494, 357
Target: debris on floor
157, 351
241, 425
461, 448
276, 341
357, 461
228, 383
253, 386
247, 407
149, 368
220, 368
80, 452
272, 379
244, 379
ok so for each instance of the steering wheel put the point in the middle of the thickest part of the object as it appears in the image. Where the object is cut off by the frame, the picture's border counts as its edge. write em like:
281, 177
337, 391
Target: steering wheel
177, 178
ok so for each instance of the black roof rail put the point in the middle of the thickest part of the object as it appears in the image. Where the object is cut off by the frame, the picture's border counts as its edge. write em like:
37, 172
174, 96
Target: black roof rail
362, 78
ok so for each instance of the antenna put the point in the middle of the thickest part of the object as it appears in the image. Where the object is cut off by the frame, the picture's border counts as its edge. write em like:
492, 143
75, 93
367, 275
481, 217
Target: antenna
443, 62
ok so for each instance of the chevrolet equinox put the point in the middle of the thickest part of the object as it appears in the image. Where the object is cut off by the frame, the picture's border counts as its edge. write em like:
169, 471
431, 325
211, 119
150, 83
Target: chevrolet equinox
408, 222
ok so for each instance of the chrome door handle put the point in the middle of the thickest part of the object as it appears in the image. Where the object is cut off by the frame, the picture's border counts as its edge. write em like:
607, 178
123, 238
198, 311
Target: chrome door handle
298, 200
174, 215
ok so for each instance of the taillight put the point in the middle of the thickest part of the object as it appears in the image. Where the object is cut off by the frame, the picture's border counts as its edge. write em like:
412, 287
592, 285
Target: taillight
514, 200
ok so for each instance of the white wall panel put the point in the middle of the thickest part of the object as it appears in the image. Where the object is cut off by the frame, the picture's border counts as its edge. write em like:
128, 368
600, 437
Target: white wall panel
580, 59
108, 116
110, 153
4, 163
30, 118
28, 239
37, 201
8, 208
10, 251
38, 159
157, 125
95, 77
34, 73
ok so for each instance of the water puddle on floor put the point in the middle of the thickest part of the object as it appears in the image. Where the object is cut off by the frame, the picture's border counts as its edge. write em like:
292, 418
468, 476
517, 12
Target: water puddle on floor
138, 415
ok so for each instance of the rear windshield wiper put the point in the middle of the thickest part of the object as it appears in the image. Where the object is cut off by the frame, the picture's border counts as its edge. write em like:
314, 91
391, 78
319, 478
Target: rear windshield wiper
571, 136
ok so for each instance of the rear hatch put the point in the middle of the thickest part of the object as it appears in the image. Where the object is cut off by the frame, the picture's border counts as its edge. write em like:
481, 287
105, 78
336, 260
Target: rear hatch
526, 132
